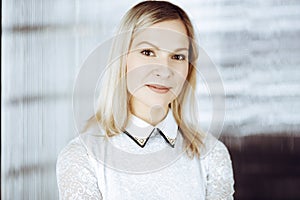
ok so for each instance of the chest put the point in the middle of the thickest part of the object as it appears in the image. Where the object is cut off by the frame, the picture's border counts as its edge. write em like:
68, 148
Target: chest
182, 179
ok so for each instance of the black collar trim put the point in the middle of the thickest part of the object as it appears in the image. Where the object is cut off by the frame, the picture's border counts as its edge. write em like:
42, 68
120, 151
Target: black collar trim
142, 141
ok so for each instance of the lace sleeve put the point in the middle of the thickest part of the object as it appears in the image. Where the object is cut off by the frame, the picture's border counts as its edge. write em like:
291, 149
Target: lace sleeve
75, 176
220, 182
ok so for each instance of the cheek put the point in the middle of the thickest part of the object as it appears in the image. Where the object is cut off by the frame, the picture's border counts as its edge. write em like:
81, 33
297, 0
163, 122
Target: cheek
182, 73
133, 61
132, 82
181, 78
135, 77
185, 74
131, 74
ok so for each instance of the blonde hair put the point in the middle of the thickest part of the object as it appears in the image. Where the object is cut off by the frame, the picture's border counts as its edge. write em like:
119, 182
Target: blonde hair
113, 107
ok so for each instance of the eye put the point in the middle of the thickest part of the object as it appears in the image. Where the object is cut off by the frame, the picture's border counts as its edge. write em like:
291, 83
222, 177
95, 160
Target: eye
147, 52
178, 57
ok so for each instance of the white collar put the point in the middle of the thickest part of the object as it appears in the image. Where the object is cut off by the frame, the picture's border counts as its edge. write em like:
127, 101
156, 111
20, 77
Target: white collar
140, 131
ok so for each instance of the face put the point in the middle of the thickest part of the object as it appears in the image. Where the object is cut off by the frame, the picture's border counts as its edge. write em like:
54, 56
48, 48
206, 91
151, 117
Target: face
157, 64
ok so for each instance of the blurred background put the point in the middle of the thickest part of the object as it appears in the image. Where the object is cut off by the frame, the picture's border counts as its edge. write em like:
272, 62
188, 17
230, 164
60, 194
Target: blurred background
254, 44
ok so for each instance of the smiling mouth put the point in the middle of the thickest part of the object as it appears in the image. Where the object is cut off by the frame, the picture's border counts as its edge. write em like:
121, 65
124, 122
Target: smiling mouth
158, 88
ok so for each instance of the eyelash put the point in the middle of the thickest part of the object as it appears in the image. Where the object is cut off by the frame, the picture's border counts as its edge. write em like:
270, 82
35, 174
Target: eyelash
179, 57
147, 51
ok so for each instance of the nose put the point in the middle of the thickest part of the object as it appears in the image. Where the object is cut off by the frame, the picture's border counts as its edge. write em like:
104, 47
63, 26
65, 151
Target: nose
163, 69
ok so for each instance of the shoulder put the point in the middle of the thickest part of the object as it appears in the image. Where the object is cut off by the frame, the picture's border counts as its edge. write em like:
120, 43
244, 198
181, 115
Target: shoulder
214, 149
74, 150
80, 148
73, 157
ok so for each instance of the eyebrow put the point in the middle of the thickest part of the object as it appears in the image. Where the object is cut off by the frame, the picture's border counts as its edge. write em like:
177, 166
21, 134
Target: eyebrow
156, 47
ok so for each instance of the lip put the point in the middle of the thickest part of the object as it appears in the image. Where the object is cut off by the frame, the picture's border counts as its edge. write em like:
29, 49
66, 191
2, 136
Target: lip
158, 88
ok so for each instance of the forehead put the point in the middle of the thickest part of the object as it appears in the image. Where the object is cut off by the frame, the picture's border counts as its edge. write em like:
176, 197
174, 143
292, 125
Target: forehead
168, 35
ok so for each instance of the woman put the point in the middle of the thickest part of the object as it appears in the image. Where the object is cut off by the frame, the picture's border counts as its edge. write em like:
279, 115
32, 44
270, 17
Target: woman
144, 142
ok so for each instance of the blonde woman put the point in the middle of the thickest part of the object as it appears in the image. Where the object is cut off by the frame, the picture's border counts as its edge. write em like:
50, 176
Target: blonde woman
144, 141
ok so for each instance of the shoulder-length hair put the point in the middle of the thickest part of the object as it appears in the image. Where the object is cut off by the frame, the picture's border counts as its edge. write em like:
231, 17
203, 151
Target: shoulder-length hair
112, 110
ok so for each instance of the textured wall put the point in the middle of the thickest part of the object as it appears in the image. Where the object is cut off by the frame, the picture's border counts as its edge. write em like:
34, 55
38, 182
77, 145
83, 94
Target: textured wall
255, 45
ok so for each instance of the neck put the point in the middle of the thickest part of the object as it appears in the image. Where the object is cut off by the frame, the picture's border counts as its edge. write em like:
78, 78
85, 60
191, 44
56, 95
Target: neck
152, 115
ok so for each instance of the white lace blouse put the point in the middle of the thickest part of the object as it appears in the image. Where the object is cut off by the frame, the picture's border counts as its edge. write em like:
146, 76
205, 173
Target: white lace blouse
89, 167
